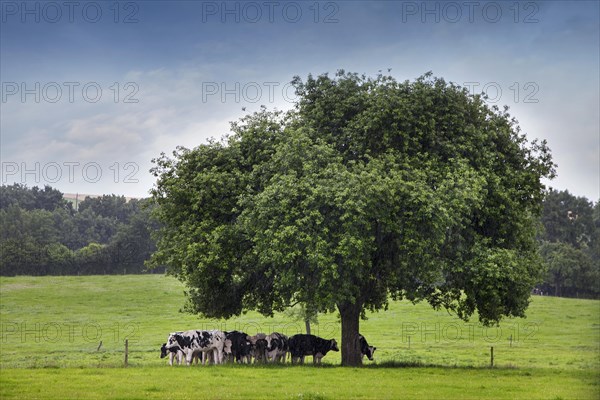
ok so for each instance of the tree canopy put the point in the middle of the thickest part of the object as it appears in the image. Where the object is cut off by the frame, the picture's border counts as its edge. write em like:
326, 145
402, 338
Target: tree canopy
369, 189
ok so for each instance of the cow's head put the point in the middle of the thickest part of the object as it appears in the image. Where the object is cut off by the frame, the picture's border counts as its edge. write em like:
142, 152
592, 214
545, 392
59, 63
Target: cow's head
163, 351
333, 345
370, 352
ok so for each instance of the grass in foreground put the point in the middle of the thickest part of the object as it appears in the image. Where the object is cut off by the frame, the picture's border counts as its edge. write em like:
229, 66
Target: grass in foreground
237, 382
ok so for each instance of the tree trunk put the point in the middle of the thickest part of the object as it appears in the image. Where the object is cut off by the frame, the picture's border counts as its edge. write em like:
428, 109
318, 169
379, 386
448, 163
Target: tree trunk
350, 314
307, 324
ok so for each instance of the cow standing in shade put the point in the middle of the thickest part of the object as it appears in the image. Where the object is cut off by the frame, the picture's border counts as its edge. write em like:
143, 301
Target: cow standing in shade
310, 345
365, 349
193, 343
259, 347
277, 347
173, 353
237, 347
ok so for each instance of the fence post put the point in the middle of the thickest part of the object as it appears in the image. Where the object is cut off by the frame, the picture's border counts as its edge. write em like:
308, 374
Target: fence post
492, 357
126, 351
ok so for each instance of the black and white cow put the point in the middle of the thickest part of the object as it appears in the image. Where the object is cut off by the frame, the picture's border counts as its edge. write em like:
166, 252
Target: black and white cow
365, 349
193, 343
259, 347
310, 345
173, 353
277, 347
237, 347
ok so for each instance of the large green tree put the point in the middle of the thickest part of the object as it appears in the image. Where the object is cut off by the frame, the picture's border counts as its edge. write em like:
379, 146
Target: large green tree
369, 189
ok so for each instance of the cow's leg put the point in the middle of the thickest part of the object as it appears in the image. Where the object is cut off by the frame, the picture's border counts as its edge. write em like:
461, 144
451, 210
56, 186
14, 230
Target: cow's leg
179, 357
171, 357
188, 358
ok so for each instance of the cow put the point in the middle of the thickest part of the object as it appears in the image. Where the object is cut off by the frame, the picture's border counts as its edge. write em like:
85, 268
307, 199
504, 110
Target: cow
365, 349
259, 347
173, 353
193, 342
277, 347
310, 345
237, 346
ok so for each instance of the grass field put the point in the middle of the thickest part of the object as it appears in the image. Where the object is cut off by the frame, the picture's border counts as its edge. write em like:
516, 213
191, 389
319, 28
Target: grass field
52, 327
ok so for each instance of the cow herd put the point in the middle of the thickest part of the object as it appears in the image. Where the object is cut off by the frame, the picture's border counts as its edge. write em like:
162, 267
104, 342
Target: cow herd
217, 347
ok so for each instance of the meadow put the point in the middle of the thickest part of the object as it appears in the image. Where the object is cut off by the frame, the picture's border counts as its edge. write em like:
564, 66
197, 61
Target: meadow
63, 337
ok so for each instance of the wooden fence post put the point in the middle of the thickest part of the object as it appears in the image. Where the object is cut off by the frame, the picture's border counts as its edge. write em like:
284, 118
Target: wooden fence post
126, 351
492, 357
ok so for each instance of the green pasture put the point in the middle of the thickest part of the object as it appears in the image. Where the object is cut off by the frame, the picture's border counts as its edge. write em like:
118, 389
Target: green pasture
51, 329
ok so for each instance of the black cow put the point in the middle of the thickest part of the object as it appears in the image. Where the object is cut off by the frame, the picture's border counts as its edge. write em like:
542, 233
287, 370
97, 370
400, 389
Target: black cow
365, 349
238, 347
310, 345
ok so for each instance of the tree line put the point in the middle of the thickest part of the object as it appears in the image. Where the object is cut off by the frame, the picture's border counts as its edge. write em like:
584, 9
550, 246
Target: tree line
42, 233
569, 244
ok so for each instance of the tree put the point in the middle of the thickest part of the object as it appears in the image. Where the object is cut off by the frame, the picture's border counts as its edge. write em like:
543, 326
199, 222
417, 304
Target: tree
304, 314
570, 271
567, 219
110, 206
48, 199
369, 189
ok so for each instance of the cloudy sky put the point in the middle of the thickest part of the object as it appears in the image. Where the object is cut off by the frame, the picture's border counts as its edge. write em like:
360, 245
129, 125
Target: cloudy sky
92, 91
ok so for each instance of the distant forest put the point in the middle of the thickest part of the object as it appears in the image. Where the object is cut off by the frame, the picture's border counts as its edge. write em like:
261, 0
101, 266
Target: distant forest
42, 233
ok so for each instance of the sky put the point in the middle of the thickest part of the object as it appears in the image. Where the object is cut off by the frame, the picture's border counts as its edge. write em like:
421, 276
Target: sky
92, 91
